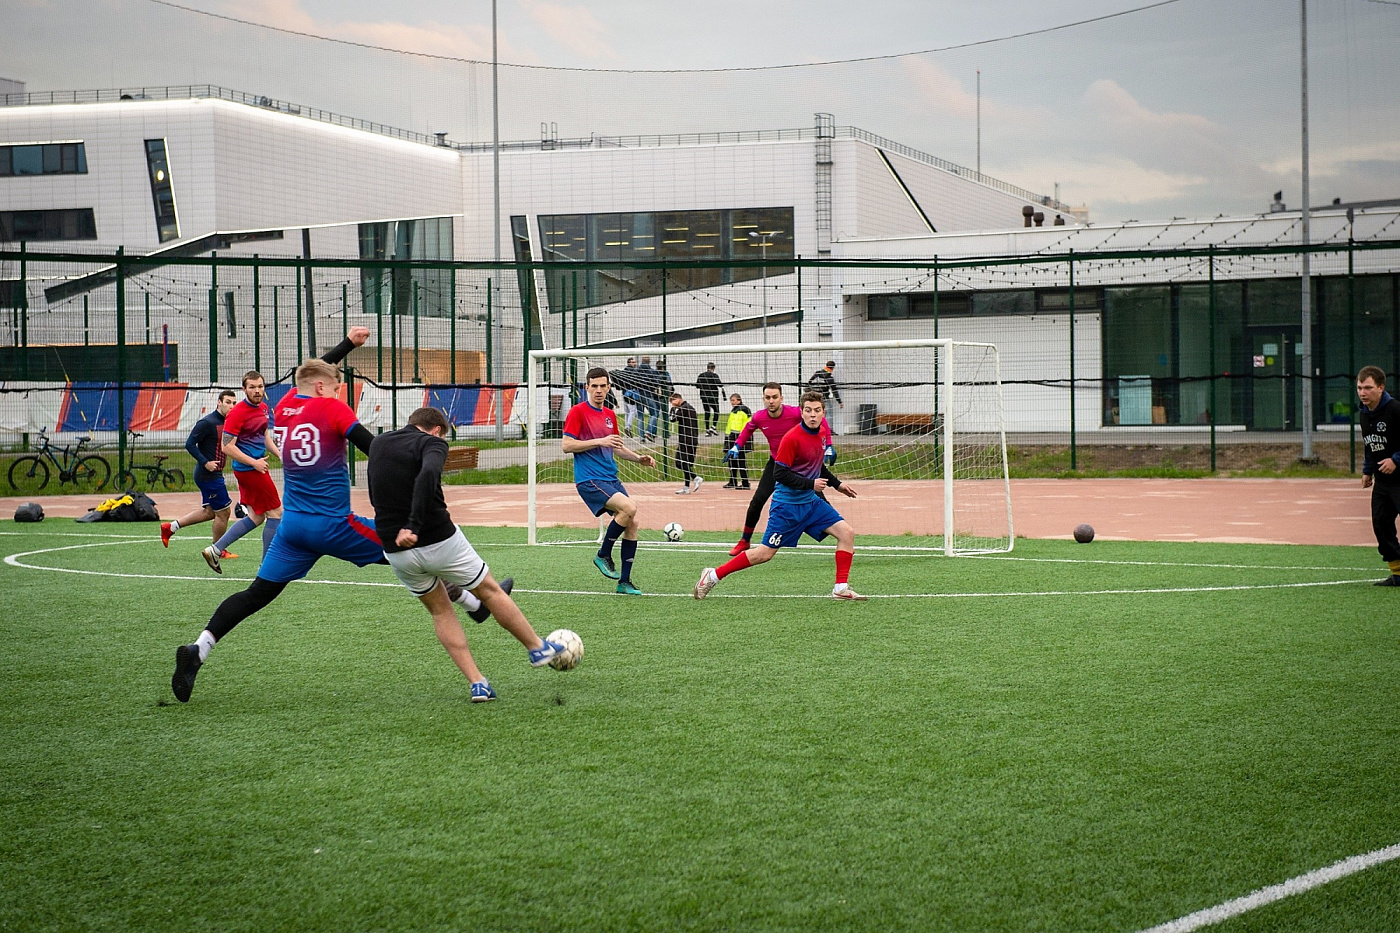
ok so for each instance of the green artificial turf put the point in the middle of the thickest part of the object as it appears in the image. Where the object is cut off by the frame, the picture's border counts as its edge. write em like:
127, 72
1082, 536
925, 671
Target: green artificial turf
1109, 759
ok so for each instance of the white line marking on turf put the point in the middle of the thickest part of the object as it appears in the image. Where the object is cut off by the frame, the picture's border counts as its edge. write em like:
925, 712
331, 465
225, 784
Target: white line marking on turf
14, 561
1277, 892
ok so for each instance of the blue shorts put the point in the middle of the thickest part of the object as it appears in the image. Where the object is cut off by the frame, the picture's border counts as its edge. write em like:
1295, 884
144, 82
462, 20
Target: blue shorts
596, 493
213, 490
788, 521
303, 539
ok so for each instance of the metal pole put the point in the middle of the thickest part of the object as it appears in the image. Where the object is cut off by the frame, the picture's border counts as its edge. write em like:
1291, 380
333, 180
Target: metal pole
1307, 404
664, 277
300, 349
148, 317
452, 327
276, 334
23, 311
979, 121
87, 330
416, 375
1073, 447
496, 136
1351, 336
799, 320
257, 318
763, 250
379, 328
531, 452
1210, 300
310, 295
947, 456
344, 308
573, 300
121, 356
214, 318
394, 357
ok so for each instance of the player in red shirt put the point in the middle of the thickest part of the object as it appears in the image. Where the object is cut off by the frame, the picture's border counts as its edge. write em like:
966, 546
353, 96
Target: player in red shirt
591, 435
775, 420
798, 508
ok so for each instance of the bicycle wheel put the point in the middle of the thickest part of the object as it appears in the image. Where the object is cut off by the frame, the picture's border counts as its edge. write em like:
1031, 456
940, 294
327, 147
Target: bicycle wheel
91, 473
172, 479
28, 475
125, 480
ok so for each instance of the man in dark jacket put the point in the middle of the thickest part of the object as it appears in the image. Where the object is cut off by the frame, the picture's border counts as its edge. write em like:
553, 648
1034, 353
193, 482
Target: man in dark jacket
687, 442
1380, 430
711, 387
824, 382
203, 445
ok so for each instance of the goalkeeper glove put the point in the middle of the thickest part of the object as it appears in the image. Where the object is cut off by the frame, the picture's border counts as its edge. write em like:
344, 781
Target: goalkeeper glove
829, 456
733, 453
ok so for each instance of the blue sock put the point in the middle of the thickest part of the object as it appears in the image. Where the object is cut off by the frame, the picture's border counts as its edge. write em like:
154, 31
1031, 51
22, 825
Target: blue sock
235, 531
610, 538
629, 552
269, 529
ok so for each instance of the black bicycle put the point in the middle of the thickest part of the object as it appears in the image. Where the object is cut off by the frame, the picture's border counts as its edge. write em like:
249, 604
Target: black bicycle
87, 473
157, 472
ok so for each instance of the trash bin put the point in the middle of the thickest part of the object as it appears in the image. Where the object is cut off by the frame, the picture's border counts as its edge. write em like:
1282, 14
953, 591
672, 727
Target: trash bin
865, 419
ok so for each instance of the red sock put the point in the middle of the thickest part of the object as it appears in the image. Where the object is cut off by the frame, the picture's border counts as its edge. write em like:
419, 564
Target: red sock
735, 563
843, 566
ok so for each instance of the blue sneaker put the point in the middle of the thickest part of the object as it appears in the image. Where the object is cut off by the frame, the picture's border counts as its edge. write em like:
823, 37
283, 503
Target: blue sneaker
481, 692
606, 567
628, 588
540, 656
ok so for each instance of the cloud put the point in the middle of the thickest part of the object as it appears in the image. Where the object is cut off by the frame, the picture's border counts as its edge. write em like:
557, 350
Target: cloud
472, 41
939, 91
574, 27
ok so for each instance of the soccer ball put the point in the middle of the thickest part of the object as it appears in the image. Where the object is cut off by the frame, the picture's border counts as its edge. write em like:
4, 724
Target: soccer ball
573, 649
673, 531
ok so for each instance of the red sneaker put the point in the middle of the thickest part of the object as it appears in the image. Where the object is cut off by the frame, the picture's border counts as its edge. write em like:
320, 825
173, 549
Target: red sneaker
739, 548
165, 533
228, 555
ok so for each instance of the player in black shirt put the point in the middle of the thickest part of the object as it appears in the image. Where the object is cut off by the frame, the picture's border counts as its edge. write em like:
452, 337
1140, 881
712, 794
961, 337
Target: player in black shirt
1380, 430
711, 387
427, 549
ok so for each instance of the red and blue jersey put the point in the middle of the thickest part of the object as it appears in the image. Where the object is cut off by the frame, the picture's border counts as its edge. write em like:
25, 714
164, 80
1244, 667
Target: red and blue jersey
774, 427
586, 423
311, 432
803, 451
247, 424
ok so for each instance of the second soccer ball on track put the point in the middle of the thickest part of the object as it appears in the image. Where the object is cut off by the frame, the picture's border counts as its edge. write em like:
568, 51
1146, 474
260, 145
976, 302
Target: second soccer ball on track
573, 649
673, 531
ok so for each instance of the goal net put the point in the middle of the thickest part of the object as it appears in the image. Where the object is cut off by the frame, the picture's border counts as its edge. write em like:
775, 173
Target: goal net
918, 427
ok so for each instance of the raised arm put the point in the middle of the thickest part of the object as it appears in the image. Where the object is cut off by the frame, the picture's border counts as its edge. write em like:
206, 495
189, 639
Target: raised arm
355, 338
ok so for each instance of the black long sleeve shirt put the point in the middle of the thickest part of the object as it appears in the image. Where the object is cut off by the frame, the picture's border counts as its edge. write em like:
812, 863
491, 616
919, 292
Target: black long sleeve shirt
405, 487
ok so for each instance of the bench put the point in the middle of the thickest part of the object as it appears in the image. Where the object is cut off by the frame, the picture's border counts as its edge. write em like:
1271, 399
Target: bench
898, 424
461, 458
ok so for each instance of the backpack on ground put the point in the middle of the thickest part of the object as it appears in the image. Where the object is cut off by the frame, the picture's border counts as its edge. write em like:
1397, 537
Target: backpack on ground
29, 512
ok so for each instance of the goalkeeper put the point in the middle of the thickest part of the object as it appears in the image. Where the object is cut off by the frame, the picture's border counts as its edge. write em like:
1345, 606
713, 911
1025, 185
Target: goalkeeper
775, 420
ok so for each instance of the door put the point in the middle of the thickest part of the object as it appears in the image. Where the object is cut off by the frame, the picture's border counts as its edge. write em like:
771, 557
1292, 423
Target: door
1277, 358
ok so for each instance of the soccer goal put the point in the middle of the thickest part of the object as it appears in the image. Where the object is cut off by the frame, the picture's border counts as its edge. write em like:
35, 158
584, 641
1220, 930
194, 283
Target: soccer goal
918, 425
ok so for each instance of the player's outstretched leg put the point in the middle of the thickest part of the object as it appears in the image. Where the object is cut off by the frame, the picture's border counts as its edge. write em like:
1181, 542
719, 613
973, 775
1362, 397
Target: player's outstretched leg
449, 632
760, 498
467, 599
190, 658
710, 576
496, 599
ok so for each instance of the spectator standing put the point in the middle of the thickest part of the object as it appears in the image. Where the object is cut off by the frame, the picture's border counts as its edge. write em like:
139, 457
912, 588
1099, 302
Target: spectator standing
711, 387
824, 382
646, 383
626, 383
687, 442
739, 415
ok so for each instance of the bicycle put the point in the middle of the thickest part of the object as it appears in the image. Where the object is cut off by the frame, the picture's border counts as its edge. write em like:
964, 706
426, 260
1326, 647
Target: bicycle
169, 477
30, 474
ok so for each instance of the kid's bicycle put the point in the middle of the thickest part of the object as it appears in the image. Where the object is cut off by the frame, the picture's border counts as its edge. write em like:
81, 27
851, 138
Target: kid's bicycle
168, 477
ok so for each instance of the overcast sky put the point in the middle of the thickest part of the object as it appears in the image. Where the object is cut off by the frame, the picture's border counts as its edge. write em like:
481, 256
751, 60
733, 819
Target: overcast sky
1190, 109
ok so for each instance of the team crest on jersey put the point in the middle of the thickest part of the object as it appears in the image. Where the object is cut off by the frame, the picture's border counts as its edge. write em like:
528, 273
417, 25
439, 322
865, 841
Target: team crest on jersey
608, 423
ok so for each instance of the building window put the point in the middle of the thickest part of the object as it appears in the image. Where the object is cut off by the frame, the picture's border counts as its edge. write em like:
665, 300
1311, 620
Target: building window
63, 158
762, 234
395, 290
71, 224
162, 190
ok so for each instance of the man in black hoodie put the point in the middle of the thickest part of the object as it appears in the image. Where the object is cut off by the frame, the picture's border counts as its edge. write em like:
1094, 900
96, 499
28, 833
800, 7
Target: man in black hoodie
1380, 429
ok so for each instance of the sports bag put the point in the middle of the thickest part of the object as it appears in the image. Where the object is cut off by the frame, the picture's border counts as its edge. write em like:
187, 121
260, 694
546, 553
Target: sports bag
29, 512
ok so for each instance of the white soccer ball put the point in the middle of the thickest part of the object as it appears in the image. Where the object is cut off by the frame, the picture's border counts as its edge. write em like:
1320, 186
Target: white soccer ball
673, 531
573, 649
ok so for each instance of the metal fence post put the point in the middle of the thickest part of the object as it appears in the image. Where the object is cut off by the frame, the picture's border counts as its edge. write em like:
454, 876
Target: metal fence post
345, 310
23, 311
87, 332
452, 327
148, 318
1210, 302
416, 376
393, 356
276, 334
214, 318
1351, 341
1073, 424
121, 357
300, 349
257, 318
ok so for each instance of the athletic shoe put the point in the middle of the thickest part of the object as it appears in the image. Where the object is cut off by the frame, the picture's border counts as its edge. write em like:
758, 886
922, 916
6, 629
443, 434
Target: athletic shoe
606, 567
739, 548
166, 532
239, 511
211, 557
731, 485
482, 692
187, 664
228, 555
844, 591
480, 614
1392, 580
707, 582
628, 588
540, 656
744, 486
696, 483
683, 491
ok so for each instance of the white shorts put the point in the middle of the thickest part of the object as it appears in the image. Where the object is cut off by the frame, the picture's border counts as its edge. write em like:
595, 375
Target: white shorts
452, 561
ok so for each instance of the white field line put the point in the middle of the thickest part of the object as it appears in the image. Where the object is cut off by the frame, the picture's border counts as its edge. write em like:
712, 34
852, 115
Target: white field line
13, 560
1277, 892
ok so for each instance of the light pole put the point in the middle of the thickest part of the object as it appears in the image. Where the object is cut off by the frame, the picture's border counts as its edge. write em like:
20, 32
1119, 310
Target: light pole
763, 239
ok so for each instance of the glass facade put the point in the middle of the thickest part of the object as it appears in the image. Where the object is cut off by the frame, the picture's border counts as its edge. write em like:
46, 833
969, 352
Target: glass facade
71, 224
1158, 366
394, 291
682, 236
162, 190
69, 158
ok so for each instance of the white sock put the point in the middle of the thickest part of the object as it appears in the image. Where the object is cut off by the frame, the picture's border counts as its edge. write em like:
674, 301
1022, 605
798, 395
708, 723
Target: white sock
469, 600
174, 525
204, 642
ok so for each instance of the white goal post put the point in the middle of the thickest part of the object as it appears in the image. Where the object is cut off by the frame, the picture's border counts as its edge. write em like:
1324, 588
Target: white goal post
928, 414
